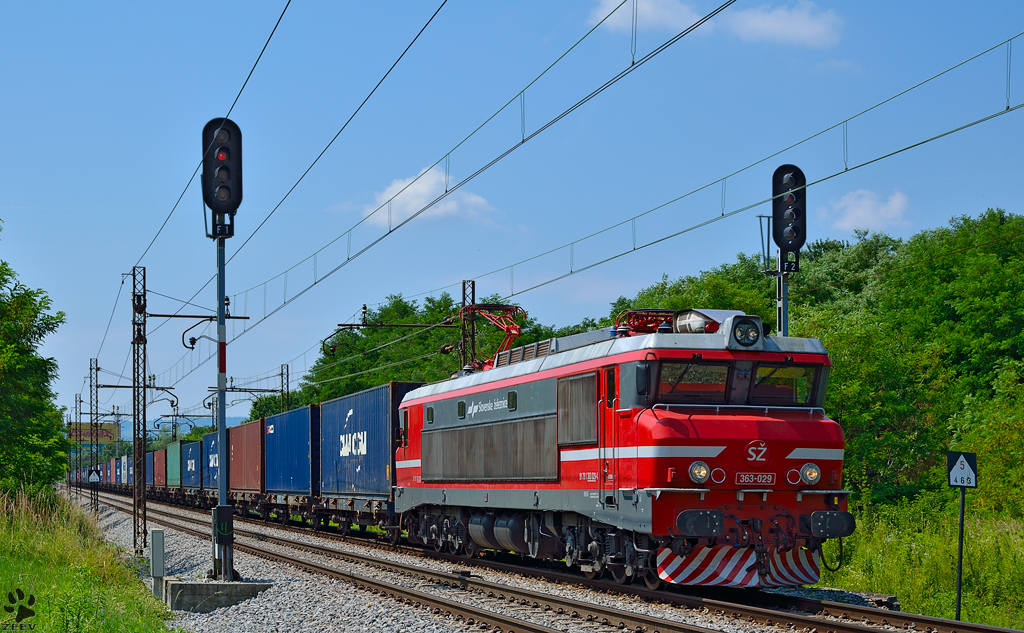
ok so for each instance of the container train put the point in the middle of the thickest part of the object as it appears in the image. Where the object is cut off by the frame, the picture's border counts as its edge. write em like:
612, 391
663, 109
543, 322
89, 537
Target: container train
686, 447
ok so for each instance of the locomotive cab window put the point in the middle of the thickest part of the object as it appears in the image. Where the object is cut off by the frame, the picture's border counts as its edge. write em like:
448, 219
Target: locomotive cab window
684, 382
783, 384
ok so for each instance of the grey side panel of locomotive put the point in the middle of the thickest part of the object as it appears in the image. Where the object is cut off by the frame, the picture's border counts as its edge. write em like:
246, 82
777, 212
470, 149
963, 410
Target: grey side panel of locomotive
631, 512
497, 435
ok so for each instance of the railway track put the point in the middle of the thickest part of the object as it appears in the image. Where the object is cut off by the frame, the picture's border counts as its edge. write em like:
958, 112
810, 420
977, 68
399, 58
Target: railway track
793, 613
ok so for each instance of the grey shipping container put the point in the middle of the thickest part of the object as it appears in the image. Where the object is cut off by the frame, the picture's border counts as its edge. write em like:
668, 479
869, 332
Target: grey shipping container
245, 448
292, 449
357, 447
211, 462
149, 468
192, 465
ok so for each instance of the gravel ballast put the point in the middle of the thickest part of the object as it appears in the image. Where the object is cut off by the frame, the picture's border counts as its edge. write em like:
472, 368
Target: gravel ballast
301, 601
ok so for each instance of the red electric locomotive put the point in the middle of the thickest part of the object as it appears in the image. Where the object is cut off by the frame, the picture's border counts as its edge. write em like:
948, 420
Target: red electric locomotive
686, 447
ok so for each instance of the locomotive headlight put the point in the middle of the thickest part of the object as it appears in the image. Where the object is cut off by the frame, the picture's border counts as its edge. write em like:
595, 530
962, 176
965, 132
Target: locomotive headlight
810, 474
699, 472
746, 332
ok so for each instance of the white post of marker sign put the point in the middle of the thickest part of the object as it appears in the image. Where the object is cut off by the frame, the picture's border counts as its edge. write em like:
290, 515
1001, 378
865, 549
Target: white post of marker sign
963, 474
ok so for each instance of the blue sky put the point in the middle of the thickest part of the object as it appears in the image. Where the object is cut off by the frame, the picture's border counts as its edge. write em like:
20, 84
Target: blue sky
103, 104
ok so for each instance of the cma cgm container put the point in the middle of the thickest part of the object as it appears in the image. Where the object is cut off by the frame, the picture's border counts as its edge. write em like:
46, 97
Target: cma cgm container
245, 450
192, 465
211, 462
149, 468
160, 468
174, 465
292, 449
126, 477
357, 449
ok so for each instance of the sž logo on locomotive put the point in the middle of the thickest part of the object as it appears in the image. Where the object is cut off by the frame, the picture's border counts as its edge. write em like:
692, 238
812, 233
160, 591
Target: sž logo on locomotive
353, 444
757, 453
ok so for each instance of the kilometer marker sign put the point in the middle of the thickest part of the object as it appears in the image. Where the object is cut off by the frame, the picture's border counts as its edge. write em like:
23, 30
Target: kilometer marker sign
963, 474
962, 469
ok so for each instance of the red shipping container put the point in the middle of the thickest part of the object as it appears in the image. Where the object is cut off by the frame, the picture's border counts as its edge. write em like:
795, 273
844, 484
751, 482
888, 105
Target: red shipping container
245, 446
113, 471
160, 468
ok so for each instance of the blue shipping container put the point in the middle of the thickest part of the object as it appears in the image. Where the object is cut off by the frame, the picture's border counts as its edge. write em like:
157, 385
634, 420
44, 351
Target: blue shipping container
211, 461
149, 468
192, 465
357, 447
117, 471
106, 473
292, 450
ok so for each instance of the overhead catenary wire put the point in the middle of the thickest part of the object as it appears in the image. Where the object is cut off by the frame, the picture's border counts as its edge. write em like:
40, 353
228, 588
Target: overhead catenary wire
111, 319
228, 115
181, 301
607, 84
386, 204
345, 125
717, 218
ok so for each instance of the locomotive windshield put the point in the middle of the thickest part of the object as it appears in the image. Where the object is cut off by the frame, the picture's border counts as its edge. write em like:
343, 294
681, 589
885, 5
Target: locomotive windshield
783, 385
688, 382
737, 383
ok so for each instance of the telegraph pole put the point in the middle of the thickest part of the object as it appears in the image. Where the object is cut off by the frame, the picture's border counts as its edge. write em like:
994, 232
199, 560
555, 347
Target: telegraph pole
139, 532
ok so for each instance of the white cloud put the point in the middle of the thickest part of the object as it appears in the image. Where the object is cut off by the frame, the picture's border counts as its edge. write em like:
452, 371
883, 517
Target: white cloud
862, 209
670, 15
420, 193
803, 24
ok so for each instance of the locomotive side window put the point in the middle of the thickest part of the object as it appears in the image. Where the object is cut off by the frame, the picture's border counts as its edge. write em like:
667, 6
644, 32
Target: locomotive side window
430, 415
577, 409
783, 384
513, 401
462, 409
690, 382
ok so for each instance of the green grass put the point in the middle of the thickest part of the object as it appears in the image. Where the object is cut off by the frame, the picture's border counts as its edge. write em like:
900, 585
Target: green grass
910, 550
55, 551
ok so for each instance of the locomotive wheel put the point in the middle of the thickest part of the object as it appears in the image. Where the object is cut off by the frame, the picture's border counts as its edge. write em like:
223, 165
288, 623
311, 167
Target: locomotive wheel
652, 579
619, 574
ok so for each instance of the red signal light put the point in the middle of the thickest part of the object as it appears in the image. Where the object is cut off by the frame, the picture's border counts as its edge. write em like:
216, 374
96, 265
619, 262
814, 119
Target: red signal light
223, 154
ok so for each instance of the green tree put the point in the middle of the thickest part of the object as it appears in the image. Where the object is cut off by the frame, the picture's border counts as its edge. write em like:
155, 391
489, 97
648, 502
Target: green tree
35, 446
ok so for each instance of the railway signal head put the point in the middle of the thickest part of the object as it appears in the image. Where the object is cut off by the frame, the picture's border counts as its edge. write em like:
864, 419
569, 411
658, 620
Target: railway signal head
222, 173
789, 208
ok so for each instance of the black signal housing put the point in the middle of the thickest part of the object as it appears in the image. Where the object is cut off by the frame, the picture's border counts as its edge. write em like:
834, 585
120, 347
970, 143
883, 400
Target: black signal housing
222, 167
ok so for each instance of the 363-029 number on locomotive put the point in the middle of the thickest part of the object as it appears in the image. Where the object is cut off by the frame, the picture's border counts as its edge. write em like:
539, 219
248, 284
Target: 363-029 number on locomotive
686, 447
